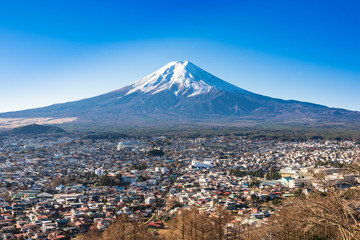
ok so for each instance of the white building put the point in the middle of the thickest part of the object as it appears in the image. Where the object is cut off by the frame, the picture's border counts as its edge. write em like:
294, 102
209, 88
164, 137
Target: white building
163, 170
99, 172
205, 164
150, 200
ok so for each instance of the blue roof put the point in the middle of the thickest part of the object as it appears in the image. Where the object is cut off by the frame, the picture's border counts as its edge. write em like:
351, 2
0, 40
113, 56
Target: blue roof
288, 178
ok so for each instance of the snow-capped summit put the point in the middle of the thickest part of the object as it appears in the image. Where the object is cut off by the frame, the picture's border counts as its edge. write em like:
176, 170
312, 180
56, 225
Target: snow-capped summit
182, 78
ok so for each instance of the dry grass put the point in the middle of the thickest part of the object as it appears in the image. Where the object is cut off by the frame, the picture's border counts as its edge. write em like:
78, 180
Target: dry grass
8, 123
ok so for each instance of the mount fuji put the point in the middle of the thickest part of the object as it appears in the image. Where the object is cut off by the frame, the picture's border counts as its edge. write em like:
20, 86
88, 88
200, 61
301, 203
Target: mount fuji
181, 92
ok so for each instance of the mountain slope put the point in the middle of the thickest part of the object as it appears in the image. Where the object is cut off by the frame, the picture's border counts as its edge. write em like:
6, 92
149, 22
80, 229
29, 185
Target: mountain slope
183, 92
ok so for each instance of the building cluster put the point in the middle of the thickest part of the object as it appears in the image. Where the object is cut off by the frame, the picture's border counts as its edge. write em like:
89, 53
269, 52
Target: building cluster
61, 187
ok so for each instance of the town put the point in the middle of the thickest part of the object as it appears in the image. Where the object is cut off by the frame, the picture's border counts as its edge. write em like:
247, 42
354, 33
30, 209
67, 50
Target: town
62, 187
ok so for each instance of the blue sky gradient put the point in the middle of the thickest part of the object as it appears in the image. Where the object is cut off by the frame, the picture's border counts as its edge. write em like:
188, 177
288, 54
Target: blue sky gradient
59, 51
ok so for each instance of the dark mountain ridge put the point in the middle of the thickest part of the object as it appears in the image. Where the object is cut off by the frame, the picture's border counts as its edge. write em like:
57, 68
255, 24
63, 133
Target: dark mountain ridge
34, 129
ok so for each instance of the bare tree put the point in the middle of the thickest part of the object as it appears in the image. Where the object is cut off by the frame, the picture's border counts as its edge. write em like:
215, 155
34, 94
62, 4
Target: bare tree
219, 219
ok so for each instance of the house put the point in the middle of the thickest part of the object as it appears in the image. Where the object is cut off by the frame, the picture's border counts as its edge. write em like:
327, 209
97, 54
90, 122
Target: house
103, 223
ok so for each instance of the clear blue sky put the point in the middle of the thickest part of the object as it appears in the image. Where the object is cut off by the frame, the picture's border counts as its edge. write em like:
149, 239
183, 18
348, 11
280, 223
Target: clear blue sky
64, 50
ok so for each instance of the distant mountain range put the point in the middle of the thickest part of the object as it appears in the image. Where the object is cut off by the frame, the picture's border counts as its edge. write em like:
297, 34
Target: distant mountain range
181, 92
